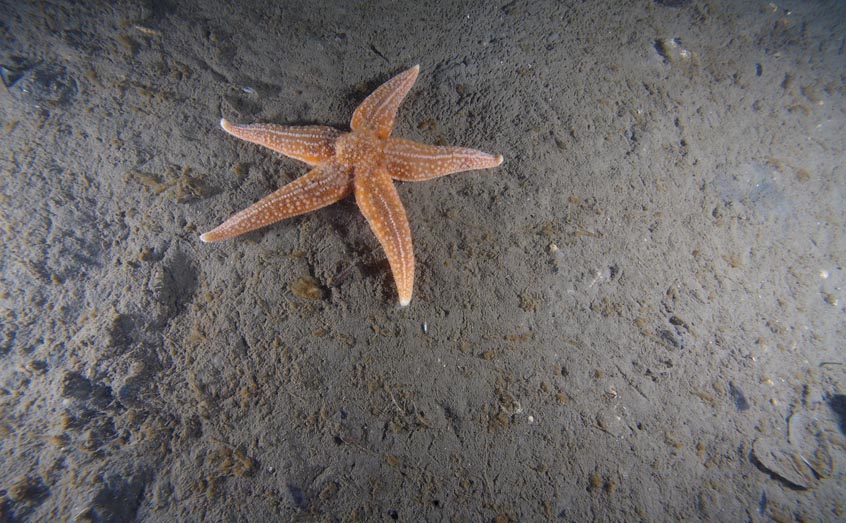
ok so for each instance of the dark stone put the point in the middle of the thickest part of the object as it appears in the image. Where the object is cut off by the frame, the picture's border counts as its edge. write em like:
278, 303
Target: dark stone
738, 397
838, 405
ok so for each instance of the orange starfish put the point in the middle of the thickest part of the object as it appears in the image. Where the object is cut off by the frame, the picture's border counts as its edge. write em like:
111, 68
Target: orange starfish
365, 161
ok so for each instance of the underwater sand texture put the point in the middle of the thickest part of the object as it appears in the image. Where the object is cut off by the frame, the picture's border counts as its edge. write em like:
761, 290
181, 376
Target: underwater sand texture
638, 316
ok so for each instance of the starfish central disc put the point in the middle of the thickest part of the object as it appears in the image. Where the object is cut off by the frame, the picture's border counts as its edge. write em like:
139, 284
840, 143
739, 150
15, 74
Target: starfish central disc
359, 146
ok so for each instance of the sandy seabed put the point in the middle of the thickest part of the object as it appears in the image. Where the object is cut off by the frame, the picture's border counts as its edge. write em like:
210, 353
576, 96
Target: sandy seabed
638, 316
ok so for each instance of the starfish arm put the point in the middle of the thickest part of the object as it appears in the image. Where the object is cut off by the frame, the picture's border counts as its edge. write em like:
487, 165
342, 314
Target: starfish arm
412, 161
378, 110
381, 206
308, 143
322, 186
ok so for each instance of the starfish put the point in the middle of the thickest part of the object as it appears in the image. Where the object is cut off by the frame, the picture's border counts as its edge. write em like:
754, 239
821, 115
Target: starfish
364, 161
